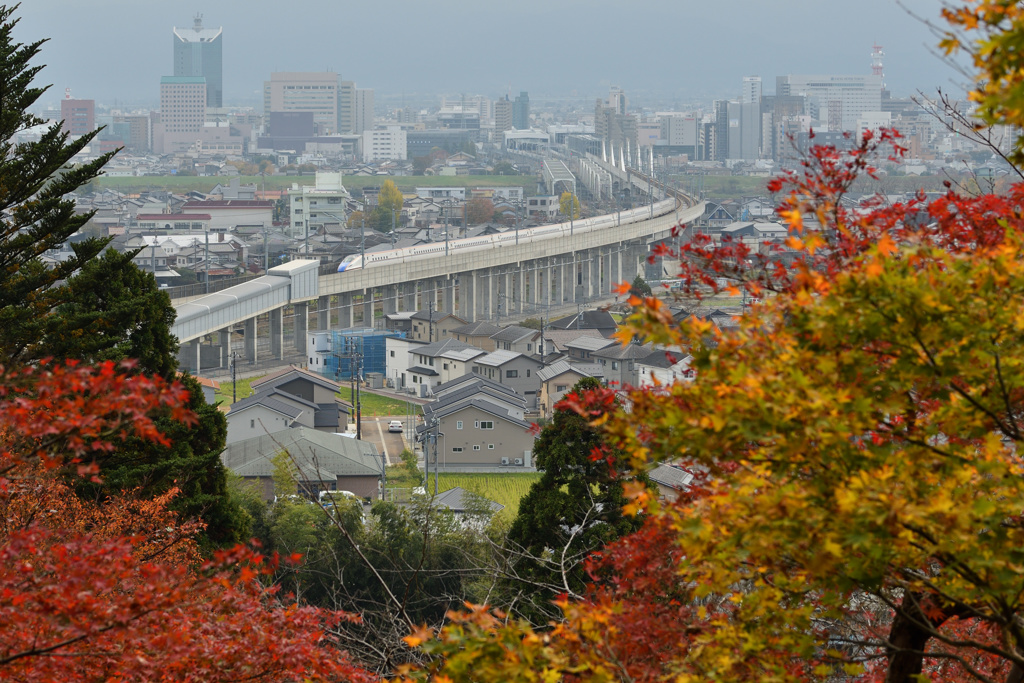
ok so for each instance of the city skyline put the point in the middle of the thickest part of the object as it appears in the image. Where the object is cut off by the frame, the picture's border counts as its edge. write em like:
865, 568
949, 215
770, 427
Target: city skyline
420, 55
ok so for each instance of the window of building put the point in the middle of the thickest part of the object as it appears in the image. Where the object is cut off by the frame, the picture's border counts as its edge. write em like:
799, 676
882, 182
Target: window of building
458, 424
560, 387
392, 354
476, 447
445, 366
527, 372
456, 449
529, 347
511, 373
490, 446
487, 425
615, 365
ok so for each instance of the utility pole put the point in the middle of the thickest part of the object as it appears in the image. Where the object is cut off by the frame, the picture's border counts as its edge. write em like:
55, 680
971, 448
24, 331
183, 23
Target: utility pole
359, 411
206, 258
266, 251
430, 322
234, 376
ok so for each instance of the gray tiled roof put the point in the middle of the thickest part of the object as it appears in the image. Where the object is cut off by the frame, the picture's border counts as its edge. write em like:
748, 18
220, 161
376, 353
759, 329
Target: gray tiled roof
312, 451
673, 477
458, 499
497, 358
514, 333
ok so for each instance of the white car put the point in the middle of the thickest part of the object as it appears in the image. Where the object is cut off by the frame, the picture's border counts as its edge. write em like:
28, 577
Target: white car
395, 426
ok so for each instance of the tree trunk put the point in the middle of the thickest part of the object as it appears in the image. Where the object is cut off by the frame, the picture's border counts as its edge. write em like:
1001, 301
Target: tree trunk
907, 641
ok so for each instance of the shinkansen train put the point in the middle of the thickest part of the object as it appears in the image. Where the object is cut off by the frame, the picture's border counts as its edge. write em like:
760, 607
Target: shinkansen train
507, 238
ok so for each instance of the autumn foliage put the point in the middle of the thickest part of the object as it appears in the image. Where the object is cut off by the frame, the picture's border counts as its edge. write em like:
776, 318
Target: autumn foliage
118, 590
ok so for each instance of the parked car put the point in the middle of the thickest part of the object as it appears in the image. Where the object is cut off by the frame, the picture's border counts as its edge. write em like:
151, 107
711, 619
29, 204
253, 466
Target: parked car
395, 426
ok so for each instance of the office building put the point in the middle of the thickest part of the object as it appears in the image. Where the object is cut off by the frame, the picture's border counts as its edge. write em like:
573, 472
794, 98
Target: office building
182, 104
313, 92
502, 116
78, 117
751, 90
346, 106
385, 145
521, 111
197, 54
838, 101
363, 110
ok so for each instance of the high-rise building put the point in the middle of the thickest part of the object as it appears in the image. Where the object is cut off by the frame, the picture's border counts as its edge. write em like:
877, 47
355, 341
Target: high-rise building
502, 116
183, 104
78, 117
314, 92
613, 124
197, 54
346, 106
838, 100
364, 110
751, 90
521, 111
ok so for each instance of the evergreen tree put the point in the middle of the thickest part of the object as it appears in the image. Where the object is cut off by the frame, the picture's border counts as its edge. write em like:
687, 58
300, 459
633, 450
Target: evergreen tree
94, 306
37, 216
574, 509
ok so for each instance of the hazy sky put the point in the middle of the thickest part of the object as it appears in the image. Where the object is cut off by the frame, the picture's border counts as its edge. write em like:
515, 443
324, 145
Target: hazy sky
680, 49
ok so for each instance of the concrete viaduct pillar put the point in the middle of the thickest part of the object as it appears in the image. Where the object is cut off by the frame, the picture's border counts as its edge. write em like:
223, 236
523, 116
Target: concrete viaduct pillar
250, 340
301, 326
449, 295
277, 333
390, 303
368, 307
224, 337
323, 313
467, 296
345, 304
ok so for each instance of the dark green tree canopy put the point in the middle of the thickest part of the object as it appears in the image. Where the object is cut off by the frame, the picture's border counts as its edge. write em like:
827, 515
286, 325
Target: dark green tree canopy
575, 509
94, 306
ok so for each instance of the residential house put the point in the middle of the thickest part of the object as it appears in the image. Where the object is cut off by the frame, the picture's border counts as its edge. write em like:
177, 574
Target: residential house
399, 357
519, 339
324, 462
555, 382
602, 321
582, 349
671, 480
555, 340
291, 397
430, 327
478, 334
440, 362
475, 428
664, 367
619, 363
513, 369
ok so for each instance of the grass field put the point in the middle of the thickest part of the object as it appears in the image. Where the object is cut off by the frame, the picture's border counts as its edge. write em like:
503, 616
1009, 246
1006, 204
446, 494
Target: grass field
506, 489
372, 404
275, 183
244, 390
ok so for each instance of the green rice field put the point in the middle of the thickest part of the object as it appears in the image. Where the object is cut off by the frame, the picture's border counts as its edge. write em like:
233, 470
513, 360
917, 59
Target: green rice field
506, 489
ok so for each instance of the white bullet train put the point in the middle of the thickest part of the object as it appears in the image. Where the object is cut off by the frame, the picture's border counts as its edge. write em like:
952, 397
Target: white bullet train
507, 238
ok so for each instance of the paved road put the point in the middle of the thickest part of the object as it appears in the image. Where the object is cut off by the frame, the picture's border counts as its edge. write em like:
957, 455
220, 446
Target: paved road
375, 430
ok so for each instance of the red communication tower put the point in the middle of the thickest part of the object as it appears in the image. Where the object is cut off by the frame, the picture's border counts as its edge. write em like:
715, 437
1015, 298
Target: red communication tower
877, 59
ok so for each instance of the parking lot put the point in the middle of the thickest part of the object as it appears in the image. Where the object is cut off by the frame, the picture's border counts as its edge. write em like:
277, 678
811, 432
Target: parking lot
375, 430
